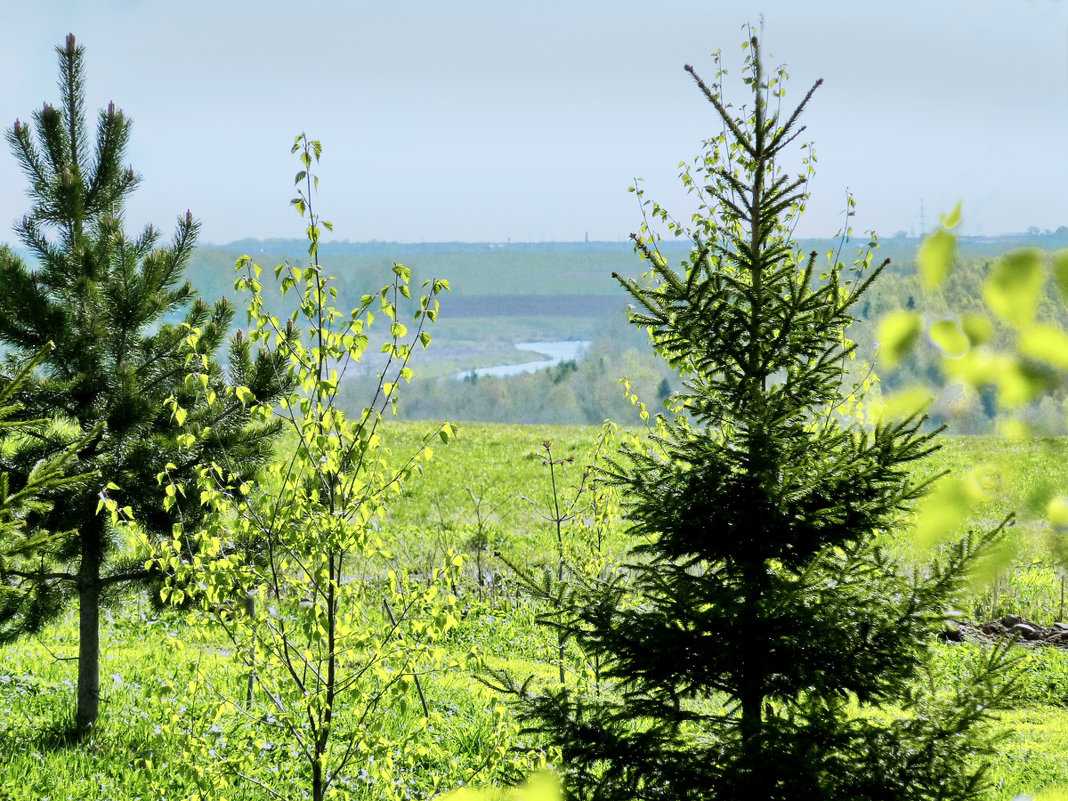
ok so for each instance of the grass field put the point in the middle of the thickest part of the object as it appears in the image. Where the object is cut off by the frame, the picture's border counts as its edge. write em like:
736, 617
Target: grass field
486, 492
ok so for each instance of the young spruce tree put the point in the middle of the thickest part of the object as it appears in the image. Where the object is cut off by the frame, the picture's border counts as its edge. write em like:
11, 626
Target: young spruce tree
109, 305
766, 648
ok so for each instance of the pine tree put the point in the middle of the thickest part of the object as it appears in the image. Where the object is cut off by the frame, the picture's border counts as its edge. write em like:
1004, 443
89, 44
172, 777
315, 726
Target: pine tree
764, 647
112, 306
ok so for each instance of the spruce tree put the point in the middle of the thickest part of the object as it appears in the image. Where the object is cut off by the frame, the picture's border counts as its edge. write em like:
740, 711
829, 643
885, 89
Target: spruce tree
118, 314
764, 647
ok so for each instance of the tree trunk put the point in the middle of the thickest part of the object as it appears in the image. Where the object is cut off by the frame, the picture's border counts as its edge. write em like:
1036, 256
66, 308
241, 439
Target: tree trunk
751, 729
250, 610
89, 629
752, 698
318, 790
751, 687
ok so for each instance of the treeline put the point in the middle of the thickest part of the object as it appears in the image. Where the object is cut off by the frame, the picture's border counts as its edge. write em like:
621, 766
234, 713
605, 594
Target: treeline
589, 390
569, 286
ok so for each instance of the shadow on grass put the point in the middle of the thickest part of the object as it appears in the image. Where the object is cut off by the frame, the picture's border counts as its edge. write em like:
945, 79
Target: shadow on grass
61, 733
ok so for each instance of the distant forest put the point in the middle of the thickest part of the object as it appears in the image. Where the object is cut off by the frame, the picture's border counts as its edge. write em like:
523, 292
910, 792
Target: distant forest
503, 293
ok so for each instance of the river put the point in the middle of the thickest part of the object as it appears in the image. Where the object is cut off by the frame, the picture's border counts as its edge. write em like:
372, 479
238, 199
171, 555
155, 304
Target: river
554, 353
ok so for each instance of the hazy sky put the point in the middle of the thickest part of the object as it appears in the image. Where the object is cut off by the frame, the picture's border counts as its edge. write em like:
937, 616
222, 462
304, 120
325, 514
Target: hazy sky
483, 121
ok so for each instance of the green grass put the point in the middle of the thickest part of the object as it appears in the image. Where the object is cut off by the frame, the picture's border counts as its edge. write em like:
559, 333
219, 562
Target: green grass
143, 682
1033, 755
36, 708
502, 465
1020, 477
1029, 472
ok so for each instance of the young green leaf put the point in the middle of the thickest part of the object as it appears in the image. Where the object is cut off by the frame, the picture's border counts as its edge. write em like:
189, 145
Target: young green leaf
903, 405
935, 257
949, 337
1057, 513
897, 333
1046, 343
1060, 272
952, 220
1014, 286
978, 328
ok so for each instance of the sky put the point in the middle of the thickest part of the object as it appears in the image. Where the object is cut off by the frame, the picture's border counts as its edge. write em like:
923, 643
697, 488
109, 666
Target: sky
497, 120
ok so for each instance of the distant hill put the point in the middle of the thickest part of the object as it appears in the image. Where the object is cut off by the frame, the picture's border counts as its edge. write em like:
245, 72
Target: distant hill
298, 247
899, 248
1048, 240
540, 269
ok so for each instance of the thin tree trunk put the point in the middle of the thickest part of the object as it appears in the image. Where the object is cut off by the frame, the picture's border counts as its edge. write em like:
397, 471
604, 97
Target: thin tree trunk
751, 690
250, 610
317, 788
322, 736
752, 731
317, 779
89, 630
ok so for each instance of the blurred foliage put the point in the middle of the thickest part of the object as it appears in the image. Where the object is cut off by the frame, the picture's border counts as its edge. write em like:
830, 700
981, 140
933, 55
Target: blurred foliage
541, 786
996, 340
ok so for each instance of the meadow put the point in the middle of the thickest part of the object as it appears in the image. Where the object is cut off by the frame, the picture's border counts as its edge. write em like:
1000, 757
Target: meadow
486, 493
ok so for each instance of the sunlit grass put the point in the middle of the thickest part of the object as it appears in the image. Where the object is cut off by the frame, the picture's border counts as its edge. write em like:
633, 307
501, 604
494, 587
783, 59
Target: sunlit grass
143, 681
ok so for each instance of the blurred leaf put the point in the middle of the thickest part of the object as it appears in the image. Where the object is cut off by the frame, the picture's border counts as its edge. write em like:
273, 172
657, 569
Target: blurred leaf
1060, 272
949, 337
944, 510
1008, 428
978, 328
1057, 512
952, 501
998, 560
541, 786
906, 403
897, 333
1047, 343
1018, 383
954, 217
1040, 491
935, 257
1013, 288
976, 367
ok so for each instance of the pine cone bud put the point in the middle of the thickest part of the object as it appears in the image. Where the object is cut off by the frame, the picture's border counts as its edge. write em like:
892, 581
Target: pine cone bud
239, 337
188, 217
70, 41
111, 109
18, 127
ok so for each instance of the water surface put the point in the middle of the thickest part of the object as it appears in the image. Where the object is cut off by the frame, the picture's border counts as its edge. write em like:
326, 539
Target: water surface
554, 353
